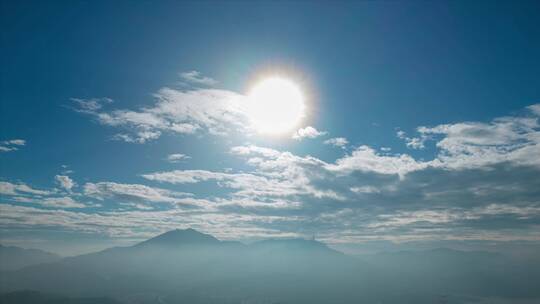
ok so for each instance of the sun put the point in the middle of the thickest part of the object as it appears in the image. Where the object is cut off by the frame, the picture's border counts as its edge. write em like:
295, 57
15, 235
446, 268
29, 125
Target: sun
275, 106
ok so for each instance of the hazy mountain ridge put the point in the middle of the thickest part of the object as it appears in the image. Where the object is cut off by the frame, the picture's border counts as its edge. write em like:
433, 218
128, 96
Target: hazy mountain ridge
186, 265
35, 297
14, 258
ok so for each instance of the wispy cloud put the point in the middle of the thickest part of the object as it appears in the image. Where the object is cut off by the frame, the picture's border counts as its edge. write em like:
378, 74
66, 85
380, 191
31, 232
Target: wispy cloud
341, 142
140, 223
177, 157
196, 77
7, 188
11, 145
91, 105
23, 193
60, 202
255, 185
139, 137
131, 193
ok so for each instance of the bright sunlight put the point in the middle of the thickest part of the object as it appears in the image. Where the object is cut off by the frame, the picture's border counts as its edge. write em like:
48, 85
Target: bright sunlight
276, 105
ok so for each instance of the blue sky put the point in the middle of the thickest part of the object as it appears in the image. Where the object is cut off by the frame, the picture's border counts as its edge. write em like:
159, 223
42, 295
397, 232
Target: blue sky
436, 106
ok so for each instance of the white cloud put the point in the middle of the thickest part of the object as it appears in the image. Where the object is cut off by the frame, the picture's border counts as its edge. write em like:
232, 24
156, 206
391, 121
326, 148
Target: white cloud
404, 218
25, 194
65, 182
448, 215
252, 149
197, 78
131, 193
366, 159
307, 132
8, 188
60, 202
186, 176
177, 157
256, 185
337, 142
143, 223
523, 212
11, 145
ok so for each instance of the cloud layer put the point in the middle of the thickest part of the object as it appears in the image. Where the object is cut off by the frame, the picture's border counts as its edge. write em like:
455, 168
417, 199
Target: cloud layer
474, 181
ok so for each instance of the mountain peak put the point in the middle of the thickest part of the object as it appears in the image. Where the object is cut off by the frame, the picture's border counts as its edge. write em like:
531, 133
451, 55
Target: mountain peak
180, 237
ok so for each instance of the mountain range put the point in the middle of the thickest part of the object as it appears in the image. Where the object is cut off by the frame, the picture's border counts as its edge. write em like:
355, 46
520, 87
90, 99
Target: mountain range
186, 266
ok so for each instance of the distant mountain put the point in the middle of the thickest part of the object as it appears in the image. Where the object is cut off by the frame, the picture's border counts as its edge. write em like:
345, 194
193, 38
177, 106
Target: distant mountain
13, 258
454, 271
295, 245
186, 266
35, 297
177, 257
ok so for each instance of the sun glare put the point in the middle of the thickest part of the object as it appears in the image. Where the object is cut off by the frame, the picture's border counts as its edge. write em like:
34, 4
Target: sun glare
275, 106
